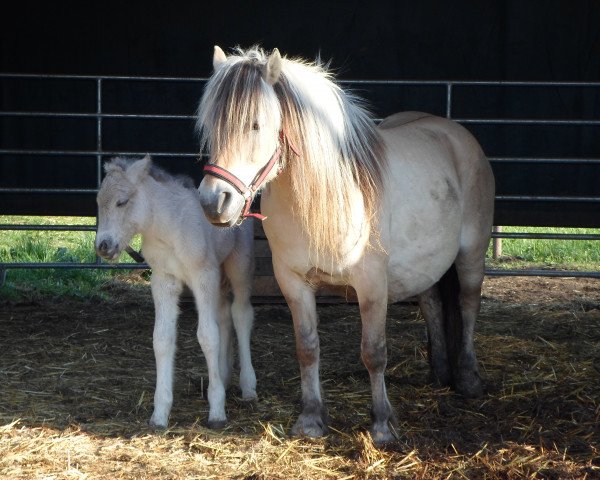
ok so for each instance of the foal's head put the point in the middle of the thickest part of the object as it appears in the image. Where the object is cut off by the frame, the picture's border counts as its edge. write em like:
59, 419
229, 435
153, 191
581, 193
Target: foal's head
240, 119
120, 209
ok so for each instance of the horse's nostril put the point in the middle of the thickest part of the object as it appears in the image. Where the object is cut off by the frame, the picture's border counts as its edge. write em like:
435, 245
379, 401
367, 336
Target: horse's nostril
103, 247
224, 198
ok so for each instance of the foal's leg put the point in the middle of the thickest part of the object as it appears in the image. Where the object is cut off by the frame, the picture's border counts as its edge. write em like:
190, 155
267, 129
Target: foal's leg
301, 299
165, 293
239, 270
470, 270
372, 299
430, 304
206, 292
225, 338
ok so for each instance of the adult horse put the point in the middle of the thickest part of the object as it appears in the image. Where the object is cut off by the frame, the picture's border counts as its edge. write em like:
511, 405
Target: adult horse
400, 209
181, 247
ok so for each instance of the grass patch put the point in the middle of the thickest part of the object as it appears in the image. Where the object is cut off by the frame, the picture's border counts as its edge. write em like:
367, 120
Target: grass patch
554, 254
26, 246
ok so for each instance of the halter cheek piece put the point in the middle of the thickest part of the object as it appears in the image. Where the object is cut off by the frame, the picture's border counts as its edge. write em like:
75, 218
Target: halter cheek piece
249, 191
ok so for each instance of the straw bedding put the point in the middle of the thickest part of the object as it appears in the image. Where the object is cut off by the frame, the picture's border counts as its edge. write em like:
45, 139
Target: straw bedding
77, 379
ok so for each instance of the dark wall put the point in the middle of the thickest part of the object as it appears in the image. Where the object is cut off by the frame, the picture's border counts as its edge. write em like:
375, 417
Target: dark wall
544, 40
424, 39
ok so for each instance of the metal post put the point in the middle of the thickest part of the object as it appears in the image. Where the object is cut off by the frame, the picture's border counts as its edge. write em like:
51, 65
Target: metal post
2, 276
449, 100
98, 144
98, 132
497, 244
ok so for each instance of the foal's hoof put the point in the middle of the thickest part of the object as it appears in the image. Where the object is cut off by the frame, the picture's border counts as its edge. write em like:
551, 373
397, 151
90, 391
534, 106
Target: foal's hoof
157, 424
309, 425
216, 424
249, 396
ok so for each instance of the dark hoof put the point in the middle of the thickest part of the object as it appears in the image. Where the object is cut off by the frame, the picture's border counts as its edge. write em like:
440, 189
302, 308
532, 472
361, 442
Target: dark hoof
440, 380
382, 434
216, 424
469, 385
309, 425
440, 374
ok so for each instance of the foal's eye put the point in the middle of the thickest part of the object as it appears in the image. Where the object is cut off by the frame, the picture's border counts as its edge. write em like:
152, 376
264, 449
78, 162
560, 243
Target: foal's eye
255, 126
122, 203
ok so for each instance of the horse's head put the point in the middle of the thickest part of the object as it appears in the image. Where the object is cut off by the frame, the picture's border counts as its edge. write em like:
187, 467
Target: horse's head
240, 120
121, 210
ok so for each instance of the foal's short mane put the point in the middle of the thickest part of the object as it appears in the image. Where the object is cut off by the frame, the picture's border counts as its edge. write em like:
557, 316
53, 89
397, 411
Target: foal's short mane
341, 150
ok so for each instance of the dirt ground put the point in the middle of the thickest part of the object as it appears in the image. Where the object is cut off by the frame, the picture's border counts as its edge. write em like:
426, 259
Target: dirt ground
77, 379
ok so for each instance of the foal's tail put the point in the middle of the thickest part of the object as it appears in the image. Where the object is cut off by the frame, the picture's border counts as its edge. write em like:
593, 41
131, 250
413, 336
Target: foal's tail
449, 286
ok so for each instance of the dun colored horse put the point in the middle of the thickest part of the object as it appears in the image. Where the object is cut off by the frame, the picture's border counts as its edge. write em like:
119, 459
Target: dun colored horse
393, 210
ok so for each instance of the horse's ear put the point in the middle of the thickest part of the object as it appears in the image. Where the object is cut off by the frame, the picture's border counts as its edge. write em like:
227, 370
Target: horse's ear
219, 57
139, 169
272, 68
113, 166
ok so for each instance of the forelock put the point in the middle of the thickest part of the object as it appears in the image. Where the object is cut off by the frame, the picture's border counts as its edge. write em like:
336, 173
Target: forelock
233, 98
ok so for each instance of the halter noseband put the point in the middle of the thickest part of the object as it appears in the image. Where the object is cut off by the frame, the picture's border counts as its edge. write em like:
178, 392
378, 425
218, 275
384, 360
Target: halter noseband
249, 191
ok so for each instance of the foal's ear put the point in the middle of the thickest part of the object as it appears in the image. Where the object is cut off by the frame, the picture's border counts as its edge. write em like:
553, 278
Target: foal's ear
113, 165
272, 69
219, 57
139, 169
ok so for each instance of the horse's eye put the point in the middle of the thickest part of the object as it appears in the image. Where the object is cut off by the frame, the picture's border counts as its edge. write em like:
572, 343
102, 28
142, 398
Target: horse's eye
122, 203
255, 126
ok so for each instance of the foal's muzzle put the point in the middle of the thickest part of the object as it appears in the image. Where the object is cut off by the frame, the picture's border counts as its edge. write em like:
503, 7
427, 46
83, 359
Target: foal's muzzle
107, 248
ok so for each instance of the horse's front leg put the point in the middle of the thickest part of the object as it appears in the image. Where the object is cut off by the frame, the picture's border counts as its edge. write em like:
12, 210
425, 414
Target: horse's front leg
300, 297
372, 299
165, 293
206, 294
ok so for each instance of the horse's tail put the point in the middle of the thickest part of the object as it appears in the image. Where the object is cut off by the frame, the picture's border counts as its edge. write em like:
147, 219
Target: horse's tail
449, 286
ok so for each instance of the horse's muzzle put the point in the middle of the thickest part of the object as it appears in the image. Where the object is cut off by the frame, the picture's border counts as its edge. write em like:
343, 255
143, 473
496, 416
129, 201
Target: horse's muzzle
222, 205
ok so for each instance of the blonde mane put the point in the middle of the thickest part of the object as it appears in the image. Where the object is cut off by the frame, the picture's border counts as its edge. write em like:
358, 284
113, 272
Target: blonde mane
340, 148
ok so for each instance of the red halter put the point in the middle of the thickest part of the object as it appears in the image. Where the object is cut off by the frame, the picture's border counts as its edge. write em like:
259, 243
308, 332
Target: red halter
249, 191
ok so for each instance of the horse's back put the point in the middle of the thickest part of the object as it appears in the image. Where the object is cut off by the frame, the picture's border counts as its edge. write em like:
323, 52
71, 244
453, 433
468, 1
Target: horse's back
461, 152
424, 137
402, 118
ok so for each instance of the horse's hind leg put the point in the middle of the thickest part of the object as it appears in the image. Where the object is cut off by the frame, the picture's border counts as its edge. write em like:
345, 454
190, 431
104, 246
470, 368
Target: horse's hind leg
165, 293
239, 271
470, 271
430, 303
300, 298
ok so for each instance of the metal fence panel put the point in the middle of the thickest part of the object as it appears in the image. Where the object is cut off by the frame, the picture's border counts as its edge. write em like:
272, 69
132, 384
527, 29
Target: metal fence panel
56, 132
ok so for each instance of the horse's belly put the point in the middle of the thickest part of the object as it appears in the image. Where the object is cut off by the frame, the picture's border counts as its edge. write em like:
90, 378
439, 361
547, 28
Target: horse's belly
405, 281
424, 216
420, 253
